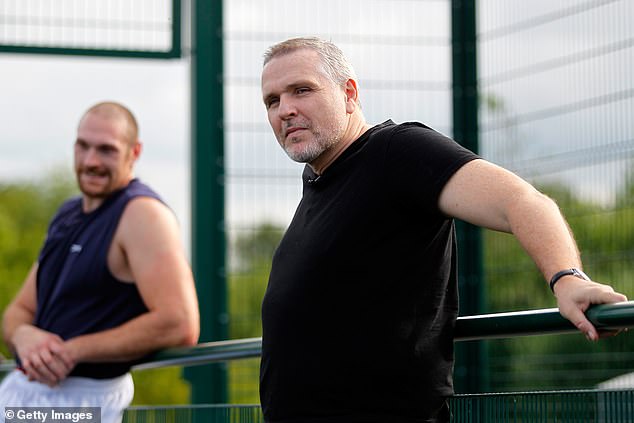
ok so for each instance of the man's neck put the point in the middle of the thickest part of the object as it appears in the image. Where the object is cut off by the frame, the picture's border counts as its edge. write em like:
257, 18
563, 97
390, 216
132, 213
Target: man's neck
92, 203
358, 126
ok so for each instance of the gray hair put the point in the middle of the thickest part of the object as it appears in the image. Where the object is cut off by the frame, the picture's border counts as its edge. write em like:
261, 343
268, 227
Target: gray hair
335, 65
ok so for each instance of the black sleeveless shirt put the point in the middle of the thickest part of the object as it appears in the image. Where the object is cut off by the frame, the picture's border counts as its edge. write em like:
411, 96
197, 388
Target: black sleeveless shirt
76, 293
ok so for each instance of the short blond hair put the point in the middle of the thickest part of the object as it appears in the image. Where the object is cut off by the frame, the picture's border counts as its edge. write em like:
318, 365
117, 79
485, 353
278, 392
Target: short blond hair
117, 111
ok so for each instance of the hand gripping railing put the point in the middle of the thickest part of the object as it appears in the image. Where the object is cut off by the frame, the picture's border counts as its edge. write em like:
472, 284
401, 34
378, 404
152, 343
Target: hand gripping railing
487, 326
604, 317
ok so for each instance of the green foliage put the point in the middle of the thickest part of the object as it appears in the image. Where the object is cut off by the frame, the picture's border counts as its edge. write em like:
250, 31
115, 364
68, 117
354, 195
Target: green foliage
247, 283
25, 210
160, 387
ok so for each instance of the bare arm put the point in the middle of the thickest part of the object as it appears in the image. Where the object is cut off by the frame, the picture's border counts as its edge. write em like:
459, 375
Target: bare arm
149, 237
487, 195
21, 310
42, 353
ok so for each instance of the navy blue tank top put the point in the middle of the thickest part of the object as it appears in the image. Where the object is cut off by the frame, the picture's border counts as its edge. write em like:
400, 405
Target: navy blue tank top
76, 293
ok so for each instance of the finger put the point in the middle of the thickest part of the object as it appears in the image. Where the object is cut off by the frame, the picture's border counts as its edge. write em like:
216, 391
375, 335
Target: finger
54, 364
584, 325
39, 371
605, 297
62, 354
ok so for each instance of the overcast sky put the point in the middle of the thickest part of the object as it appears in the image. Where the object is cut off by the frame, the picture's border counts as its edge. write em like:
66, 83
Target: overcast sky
43, 96
399, 49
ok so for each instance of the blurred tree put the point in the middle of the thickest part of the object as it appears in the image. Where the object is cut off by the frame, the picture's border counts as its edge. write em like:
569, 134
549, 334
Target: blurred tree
160, 386
253, 252
25, 210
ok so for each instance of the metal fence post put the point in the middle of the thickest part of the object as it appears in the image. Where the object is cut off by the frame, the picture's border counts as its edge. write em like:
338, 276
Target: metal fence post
470, 373
207, 179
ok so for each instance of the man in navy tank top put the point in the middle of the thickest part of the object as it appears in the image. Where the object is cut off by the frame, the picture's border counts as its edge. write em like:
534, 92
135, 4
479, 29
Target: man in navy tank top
361, 303
111, 283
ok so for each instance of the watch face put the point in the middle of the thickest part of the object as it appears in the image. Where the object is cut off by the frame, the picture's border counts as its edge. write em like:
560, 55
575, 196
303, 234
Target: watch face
580, 274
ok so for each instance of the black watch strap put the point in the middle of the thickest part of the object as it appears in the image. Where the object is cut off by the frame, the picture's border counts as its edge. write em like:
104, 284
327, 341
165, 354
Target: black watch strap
572, 271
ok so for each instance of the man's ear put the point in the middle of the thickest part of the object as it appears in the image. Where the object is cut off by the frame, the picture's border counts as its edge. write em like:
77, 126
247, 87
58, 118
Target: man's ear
136, 150
352, 95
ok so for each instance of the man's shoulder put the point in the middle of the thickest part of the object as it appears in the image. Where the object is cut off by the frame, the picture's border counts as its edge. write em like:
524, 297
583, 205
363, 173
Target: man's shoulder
71, 203
146, 210
411, 128
68, 207
144, 221
136, 188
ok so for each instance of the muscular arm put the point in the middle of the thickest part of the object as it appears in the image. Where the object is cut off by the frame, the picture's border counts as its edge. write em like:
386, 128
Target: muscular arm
149, 238
487, 195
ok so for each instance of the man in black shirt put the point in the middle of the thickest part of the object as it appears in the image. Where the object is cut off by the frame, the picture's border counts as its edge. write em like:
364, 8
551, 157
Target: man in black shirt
359, 312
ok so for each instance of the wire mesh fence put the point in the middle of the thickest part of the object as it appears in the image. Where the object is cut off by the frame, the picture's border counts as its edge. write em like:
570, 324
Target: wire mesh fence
149, 26
556, 104
538, 407
195, 414
534, 407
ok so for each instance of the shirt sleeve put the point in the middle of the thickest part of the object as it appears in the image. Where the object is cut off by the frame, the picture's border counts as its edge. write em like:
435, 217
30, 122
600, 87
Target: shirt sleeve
419, 162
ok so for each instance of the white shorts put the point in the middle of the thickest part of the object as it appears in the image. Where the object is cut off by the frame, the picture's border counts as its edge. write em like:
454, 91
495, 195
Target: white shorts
112, 395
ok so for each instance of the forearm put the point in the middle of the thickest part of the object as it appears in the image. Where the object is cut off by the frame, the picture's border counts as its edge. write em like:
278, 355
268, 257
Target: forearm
142, 335
540, 228
21, 310
13, 318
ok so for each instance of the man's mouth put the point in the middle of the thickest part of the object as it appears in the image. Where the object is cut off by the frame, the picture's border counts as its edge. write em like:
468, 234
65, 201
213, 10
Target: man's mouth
92, 174
293, 129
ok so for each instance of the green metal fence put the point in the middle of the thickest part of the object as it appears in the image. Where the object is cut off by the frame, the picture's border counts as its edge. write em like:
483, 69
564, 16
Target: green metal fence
544, 407
195, 413
558, 406
555, 406
555, 104
113, 28
590, 406
556, 100
556, 107
528, 407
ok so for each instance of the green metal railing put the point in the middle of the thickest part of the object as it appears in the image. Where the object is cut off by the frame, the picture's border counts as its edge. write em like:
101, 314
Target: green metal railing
552, 406
487, 326
557, 406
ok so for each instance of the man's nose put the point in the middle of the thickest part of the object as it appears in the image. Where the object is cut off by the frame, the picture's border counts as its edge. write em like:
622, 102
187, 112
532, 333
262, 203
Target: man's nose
90, 157
286, 108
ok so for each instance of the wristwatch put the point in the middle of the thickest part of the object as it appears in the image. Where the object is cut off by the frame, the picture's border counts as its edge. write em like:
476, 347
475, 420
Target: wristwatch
572, 271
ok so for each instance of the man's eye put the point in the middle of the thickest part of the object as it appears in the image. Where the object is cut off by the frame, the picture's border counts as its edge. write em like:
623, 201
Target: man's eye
302, 90
106, 150
271, 102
